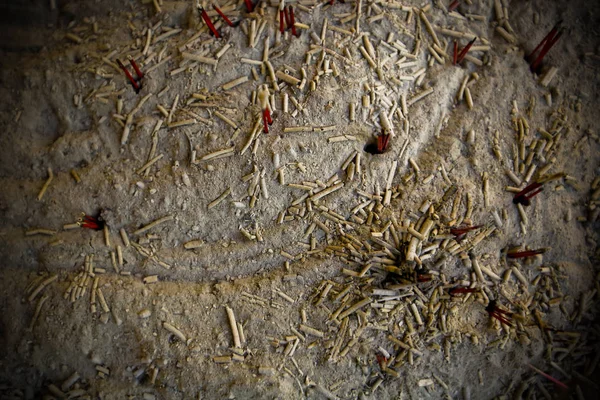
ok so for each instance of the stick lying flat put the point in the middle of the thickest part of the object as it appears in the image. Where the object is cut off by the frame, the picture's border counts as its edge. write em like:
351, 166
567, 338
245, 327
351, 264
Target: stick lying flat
153, 224
234, 330
219, 199
175, 331
45, 187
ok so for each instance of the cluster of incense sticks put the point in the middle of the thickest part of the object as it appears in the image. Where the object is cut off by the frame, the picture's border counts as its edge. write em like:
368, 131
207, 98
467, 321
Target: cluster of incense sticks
382, 142
89, 222
496, 312
135, 82
459, 56
524, 196
287, 14
544, 47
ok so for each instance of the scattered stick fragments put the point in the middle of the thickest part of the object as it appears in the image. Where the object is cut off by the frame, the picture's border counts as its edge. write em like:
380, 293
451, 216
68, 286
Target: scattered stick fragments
41, 287
400, 254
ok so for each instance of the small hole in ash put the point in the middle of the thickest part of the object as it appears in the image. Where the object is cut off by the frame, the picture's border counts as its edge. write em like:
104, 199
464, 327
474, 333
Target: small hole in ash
371, 148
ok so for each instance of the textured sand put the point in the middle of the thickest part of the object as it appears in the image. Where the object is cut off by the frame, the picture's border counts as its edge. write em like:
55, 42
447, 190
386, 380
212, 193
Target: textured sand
44, 125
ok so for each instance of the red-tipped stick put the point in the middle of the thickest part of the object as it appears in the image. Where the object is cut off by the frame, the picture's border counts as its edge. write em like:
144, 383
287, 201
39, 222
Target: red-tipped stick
249, 5
463, 230
545, 375
293, 21
523, 196
209, 23
534, 66
265, 123
383, 141
288, 20
453, 5
550, 39
494, 311
500, 318
266, 120
525, 254
281, 21
529, 196
227, 20
128, 75
549, 36
461, 290
90, 225
138, 72
463, 52
528, 189
455, 56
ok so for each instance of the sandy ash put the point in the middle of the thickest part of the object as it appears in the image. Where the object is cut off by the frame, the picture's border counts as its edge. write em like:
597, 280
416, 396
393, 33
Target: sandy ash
59, 111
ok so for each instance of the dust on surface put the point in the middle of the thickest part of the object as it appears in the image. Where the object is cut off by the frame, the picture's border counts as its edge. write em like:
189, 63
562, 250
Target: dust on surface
290, 263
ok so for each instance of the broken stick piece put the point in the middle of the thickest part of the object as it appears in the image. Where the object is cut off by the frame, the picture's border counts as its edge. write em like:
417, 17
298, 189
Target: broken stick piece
153, 224
311, 331
45, 187
234, 329
175, 332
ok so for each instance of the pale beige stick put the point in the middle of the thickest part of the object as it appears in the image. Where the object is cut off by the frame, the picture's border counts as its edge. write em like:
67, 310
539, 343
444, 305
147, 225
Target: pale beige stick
40, 231
175, 331
102, 301
153, 224
219, 199
149, 164
41, 287
38, 309
66, 385
219, 154
311, 331
231, 84
287, 78
327, 191
45, 187
201, 59
356, 306
129, 120
124, 237
429, 29
234, 329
